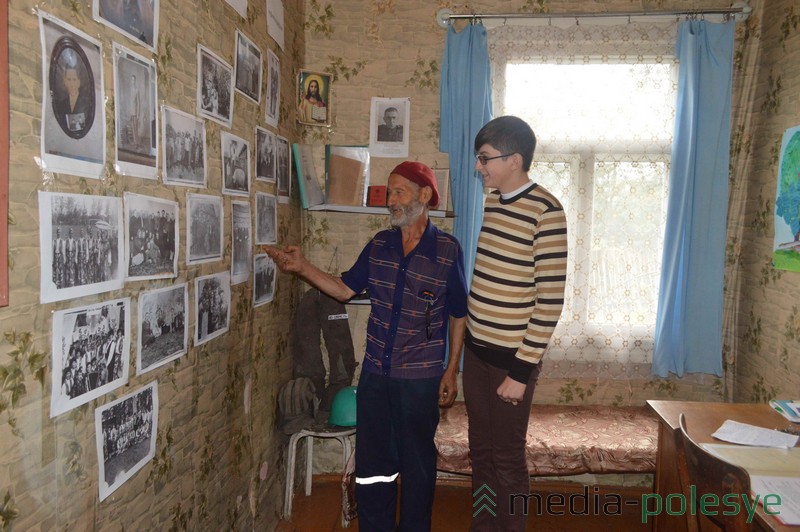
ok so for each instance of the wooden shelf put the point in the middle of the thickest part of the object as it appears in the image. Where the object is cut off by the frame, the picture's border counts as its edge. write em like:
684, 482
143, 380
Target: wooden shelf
330, 207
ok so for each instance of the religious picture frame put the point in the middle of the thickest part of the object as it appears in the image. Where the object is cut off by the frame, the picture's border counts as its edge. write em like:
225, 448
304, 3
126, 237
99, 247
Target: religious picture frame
313, 98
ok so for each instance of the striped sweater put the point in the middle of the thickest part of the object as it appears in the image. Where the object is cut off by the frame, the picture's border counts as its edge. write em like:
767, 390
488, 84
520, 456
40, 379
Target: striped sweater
517, 288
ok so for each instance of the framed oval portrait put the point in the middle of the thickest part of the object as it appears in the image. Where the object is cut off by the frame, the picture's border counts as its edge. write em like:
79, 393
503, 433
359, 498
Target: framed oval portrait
72, 88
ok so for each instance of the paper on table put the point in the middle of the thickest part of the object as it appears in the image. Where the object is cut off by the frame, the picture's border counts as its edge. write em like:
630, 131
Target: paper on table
788, 488
745, 434
769, 461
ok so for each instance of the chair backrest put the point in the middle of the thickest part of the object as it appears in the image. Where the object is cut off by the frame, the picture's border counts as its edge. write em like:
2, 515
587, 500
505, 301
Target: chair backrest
712, 475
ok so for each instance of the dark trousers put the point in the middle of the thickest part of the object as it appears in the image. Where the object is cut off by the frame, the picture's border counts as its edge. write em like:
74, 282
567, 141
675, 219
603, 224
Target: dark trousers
396, 421
497, 432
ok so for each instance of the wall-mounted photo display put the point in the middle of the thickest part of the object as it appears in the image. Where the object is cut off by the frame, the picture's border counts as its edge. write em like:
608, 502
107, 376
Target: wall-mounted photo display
136, 19
214, 87
389, 127
204, 216
162, 326
212, 295
266, 218
152, 237
248, 67
235, 165
313, 98
283, 168
263, 279
136, 119
73, 109
90, 353
266, 158
242, 245
125, 432
184, 149
273, 96
81, 245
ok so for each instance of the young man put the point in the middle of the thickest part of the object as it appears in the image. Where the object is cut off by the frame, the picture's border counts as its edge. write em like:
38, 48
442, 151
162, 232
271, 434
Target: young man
514, 304
415, 276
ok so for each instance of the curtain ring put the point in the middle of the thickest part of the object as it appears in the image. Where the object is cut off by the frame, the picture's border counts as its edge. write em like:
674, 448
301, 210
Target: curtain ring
549, 21
577, 21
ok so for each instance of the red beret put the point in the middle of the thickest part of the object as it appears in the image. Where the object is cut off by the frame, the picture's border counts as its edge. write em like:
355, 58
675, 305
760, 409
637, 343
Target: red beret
422, 175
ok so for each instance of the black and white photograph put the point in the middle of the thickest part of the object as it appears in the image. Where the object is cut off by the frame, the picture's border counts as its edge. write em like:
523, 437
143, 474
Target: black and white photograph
81, 245
283, 168
242, 245
136, 19
163, 326
214, 87
151, 237
248, 67
73, 110
184, 149
204, 218
235, 165
266, 218
125, 431
389, 127
263, 279
136, 115
212, 306
266, 159
273, 96
90, 353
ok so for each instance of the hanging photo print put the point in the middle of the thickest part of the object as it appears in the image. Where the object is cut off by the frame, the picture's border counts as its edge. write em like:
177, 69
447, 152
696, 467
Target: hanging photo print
212, 294
163, 331
81, 245
184, 141
90, 353
136, 117
126, 432
73, 109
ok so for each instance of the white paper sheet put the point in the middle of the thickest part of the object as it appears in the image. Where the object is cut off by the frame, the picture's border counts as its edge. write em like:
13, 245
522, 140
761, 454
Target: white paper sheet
744, 434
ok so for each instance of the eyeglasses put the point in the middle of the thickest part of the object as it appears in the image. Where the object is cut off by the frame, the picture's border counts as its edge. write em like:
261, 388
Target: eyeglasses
484, 159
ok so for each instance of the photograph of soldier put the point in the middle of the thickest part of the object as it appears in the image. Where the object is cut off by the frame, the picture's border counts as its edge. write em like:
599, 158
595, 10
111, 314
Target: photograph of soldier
214, 87
163, 331
265, 155
263, 279
283, 168
248, 67
151, 236
80, 244
235, 165
184, 150
138, 19
212, 308
136, 117
266, 219
242, 245
273, 89
126, 436
90, 353
204, 216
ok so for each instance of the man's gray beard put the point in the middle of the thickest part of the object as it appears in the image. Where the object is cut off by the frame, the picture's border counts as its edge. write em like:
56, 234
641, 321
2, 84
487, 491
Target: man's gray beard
409, 216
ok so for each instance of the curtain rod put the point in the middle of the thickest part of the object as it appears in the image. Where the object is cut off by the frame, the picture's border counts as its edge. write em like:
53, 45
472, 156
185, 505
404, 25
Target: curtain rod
739, 11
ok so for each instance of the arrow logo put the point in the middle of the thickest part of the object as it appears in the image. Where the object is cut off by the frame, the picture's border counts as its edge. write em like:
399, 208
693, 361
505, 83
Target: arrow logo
484, 500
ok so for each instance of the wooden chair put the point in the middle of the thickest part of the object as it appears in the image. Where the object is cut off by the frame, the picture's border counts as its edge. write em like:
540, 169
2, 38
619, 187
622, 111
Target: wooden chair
712, 475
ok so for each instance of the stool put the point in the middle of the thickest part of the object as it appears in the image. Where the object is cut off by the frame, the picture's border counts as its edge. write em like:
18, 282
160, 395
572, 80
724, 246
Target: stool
324, 431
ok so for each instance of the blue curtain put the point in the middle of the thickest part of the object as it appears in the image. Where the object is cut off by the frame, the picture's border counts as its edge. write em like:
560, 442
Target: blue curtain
688, 336
465, 100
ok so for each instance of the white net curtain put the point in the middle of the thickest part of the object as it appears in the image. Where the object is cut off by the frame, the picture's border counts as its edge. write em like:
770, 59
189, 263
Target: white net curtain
601, 100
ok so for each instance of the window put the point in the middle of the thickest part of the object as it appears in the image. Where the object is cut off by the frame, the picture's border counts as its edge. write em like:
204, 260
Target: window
604, 126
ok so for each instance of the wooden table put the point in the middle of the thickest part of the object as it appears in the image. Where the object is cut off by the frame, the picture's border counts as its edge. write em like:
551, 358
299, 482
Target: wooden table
702, 419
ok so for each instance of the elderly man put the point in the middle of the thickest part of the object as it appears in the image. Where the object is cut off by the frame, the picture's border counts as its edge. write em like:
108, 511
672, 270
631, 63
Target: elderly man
414, 273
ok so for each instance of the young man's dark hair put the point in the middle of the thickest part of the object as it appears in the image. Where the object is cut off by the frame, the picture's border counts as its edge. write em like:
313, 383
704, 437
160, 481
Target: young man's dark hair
509, 134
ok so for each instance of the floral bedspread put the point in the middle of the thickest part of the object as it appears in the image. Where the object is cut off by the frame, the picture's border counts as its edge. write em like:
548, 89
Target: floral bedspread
565, 440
